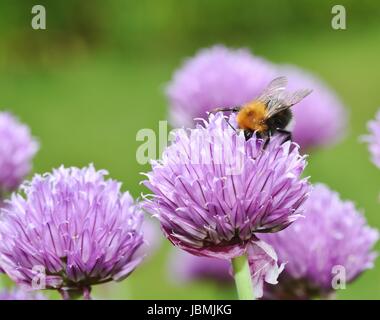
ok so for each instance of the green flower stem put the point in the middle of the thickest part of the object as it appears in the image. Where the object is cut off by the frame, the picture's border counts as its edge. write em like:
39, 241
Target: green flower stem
243, 278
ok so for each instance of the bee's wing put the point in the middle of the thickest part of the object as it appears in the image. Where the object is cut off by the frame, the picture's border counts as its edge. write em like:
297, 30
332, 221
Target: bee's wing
274, 89
285, 100
297, 96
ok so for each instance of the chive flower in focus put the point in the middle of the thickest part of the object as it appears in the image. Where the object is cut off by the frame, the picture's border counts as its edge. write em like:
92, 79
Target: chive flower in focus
74, 228
214, 192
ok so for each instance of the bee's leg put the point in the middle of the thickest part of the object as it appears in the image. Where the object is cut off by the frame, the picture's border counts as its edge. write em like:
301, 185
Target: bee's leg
267, 140
248, 134
233, 109
233, 128
287, 133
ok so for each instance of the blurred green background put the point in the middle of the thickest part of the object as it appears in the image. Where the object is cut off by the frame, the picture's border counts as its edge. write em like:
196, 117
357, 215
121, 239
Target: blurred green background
89, 82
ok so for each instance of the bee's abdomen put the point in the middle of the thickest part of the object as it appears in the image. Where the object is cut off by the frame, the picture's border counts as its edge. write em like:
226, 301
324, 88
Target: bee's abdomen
280, 120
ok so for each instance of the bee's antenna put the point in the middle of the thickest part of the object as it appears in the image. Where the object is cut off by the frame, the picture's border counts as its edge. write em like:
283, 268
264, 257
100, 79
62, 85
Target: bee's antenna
233, 109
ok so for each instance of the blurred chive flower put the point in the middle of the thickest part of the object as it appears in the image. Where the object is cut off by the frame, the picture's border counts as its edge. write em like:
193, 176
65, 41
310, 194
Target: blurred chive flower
332, 240
184, 267
152, 238
76, 226
214, 191
215, 77
19, 294
320, 119
17, 149
373, 139
222, 77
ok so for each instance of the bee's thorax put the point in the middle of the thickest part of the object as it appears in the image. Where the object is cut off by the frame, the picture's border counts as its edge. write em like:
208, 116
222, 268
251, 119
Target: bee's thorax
252, 117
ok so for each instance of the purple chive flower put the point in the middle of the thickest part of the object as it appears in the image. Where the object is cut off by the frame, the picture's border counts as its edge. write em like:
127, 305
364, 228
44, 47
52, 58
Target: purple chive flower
213, 191
75, 225
332, 235
222, 77
373, 139
185, 267
215, 77
19, 294
17, 148
320, 119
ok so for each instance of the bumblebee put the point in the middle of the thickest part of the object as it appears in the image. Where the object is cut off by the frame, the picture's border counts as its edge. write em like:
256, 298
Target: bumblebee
269, 113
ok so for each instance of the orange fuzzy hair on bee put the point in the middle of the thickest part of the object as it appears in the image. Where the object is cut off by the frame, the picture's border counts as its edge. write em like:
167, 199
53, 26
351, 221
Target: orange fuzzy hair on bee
252, 117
